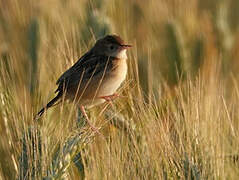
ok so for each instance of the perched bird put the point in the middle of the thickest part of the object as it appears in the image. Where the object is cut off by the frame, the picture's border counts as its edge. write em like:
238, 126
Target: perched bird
95, 77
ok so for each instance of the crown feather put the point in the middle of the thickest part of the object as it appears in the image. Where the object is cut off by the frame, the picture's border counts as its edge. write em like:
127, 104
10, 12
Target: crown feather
114, 39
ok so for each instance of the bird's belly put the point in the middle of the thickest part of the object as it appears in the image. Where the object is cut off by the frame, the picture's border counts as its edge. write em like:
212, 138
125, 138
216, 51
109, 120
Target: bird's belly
102, 86
113, 81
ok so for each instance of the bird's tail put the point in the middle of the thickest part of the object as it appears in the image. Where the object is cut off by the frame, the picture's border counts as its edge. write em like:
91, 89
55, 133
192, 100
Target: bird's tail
49, 104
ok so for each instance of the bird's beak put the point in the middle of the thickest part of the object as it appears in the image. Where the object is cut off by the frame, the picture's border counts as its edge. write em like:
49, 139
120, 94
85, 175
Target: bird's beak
125, 46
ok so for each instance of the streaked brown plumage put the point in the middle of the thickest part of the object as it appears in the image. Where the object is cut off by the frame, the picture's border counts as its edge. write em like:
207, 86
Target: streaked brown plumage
95, 76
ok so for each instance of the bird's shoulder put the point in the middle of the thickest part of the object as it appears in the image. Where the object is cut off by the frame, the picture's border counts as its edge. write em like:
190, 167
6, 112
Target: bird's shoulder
86, 65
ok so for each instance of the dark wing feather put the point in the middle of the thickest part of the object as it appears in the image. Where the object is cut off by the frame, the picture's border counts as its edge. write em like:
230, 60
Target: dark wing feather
87, 66
72, 69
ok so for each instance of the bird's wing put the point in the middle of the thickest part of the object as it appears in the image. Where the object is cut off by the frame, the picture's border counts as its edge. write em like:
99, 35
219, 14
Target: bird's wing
71, 69
84, 69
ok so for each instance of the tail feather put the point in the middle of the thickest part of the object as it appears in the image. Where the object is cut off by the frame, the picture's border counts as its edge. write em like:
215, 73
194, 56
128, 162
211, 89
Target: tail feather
49, 104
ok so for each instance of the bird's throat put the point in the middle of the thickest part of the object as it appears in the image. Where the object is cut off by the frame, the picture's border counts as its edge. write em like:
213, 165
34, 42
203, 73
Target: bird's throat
122, 54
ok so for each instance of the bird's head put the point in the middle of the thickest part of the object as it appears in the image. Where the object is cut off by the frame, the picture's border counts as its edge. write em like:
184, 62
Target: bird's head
111, 45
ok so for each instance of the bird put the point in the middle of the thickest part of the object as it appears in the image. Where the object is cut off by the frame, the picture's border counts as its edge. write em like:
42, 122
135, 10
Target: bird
95, 77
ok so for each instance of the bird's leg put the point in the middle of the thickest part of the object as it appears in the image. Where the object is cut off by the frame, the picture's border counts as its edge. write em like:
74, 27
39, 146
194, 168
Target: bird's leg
82, 108
110, 97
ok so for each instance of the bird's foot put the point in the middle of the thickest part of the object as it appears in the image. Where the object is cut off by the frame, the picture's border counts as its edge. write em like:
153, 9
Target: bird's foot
110, 97
92, 127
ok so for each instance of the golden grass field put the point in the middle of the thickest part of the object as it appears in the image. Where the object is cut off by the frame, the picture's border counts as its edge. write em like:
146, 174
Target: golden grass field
179, 114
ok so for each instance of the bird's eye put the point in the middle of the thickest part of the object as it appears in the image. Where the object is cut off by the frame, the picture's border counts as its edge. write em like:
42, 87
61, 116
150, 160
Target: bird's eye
111, 47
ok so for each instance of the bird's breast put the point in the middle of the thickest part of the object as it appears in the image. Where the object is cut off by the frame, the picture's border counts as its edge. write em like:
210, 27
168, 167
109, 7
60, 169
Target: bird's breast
119, 71
103, 85
114, 78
